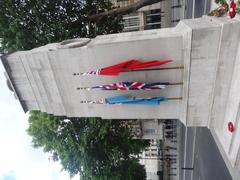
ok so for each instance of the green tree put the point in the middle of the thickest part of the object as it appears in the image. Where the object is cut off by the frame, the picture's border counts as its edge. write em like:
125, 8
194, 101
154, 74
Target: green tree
95, 148
222, 2
25, 24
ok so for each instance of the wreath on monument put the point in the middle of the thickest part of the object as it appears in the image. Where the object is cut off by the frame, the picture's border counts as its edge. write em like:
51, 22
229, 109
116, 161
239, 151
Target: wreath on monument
232, 8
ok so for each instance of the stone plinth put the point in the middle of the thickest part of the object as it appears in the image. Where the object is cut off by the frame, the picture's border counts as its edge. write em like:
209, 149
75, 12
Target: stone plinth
43, 77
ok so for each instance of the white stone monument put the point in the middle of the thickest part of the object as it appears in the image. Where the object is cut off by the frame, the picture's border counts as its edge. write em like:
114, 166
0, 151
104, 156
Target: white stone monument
207, 48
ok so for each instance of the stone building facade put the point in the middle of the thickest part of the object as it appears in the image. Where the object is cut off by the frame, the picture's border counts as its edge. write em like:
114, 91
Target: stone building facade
159, 15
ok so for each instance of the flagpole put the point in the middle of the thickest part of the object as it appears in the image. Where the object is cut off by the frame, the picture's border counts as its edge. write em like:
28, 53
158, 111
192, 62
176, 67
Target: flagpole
156, 69
139, 70
173, 84
174, 98
170, 84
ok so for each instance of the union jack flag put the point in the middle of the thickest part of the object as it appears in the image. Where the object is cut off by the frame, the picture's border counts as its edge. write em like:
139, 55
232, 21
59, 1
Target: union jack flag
124, 86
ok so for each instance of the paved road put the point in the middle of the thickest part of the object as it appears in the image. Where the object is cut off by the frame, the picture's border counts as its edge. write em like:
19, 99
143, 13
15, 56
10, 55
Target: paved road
208, 162
197, 7
203, 155
188, 140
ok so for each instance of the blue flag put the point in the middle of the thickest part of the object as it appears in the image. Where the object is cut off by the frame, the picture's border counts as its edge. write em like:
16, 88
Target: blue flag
133, 100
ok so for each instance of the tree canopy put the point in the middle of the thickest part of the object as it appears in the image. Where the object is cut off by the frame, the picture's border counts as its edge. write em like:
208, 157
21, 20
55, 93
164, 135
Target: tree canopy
25, 24
93, 147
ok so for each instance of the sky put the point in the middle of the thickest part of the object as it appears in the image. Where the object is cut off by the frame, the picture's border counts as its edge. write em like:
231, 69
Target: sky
18, 159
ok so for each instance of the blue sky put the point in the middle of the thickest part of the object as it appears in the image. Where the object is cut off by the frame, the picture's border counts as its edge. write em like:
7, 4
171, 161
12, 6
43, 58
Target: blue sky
9, 176
18, 159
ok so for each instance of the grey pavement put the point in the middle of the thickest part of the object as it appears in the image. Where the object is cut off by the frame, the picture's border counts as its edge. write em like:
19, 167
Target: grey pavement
172, 171
203, 156
188, 141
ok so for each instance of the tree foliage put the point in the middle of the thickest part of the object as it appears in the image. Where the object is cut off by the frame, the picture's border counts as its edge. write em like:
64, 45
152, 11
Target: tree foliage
95, 148
25, 24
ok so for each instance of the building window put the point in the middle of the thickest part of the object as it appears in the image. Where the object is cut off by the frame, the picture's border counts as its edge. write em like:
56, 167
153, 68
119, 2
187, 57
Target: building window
131, 23
153, 19
122, 3
150, 131
153, 149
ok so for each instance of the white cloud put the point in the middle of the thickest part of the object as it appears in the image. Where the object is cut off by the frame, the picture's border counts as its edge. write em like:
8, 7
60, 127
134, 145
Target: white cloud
16, 152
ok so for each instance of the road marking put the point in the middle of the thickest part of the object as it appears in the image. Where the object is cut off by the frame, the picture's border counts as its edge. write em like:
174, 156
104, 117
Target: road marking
193, 9
184, 9
205, 7
194, 144
185, 152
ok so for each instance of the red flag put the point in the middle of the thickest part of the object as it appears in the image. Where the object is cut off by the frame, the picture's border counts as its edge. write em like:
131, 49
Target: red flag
116, 69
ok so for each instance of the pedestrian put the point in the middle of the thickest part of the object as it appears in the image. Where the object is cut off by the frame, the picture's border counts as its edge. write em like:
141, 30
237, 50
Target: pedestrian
172, 174
170, 155
168, 122
169, 132
170, 147
170, 136
168, 127
171, 160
